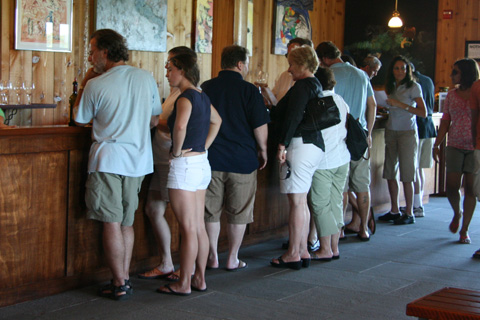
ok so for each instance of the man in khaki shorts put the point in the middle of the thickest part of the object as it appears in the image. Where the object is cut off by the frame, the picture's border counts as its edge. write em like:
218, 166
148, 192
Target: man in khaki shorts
355, 88
121, 100
233, 154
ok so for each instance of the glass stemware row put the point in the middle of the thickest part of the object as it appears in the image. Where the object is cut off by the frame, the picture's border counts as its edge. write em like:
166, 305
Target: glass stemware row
12, 93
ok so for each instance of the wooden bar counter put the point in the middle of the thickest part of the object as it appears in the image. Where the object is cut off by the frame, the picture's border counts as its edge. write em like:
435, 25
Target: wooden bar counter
46, 243
48, 246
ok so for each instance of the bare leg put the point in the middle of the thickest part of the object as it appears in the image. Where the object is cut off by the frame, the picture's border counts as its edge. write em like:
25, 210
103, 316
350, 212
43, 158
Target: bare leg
155, 210
345, 203
312, 233
184, 205
115, 246
325, 250
356, 221
454, 181
128, 240
469, 203
213, 231
235, 234
198, 279
304, 254
393, 190
334, 240
296, 226
408, 191
363, 203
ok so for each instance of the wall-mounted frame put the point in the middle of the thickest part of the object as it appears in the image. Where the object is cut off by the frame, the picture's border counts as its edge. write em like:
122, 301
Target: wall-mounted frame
142, 23
203, 25
472, 50
43, 25
290, 20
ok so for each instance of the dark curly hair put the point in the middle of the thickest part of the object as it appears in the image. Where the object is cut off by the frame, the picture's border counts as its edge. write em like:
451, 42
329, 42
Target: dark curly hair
114, 42
188, 63
408, 80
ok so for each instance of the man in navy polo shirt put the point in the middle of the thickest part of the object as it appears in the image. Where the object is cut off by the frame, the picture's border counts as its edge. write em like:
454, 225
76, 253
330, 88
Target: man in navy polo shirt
233, 155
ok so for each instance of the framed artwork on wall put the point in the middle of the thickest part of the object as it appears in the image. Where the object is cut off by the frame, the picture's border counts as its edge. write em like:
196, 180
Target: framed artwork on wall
203, 24
142, 23
290, 20
472, 50
43, 26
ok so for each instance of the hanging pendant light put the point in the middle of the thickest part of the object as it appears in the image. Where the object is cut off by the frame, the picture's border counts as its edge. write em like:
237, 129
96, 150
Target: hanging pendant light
395, 21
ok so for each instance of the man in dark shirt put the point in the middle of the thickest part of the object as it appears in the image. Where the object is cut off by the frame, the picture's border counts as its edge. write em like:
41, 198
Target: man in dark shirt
233, 155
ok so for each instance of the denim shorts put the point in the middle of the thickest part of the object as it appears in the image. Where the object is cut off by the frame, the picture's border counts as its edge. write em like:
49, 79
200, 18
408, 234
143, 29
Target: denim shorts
189, 173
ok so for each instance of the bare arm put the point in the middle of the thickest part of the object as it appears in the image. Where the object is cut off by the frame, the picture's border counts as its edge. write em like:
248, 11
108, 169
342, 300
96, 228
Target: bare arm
442, 132
261, 136
184, 110
371, 113
88, 76
215, 123
420, 110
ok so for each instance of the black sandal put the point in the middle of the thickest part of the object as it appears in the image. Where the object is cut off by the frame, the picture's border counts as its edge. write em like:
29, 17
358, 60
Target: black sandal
129, 286
113, 292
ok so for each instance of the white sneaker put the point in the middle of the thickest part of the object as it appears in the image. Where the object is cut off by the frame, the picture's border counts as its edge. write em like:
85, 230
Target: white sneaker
418, 212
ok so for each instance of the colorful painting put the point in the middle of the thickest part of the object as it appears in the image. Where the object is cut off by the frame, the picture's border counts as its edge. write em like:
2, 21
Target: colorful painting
291, 21
142, 22
204, 26
44, 25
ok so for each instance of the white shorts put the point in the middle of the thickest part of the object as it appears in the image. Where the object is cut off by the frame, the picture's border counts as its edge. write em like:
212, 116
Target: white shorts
304, 159
190, 173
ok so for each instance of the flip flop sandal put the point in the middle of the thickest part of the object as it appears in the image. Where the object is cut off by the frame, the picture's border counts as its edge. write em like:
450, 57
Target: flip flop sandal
465, 239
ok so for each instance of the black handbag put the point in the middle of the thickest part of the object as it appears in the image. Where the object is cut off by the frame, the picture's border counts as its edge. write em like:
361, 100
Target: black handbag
356, 138
320, 113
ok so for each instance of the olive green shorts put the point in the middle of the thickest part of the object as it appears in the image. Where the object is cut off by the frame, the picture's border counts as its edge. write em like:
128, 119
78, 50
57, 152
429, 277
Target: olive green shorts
112, 197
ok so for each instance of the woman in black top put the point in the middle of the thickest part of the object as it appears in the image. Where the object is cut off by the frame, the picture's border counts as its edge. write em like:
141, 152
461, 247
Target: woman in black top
194, 123
299, 153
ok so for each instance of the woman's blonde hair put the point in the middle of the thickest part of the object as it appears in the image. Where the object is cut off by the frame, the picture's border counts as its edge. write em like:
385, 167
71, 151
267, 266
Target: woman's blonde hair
304, 56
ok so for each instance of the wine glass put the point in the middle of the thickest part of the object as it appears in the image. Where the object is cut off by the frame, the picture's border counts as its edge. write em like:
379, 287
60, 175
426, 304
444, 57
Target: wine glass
28, 87
262, 77
2, 92
7, 89
18, 88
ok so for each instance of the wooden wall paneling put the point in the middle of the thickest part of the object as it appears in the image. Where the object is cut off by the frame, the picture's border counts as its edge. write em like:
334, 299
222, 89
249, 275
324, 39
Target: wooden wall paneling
43, 73
223, 18
452, 34
78, 161
240, 13
62, 88
32, 224
261, 58
328, 21
7, 15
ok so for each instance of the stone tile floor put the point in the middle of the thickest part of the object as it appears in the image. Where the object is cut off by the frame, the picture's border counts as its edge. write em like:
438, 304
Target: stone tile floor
372, 280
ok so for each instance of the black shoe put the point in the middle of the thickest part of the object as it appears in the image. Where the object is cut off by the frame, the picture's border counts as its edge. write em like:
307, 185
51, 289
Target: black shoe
405, 219
389, 216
